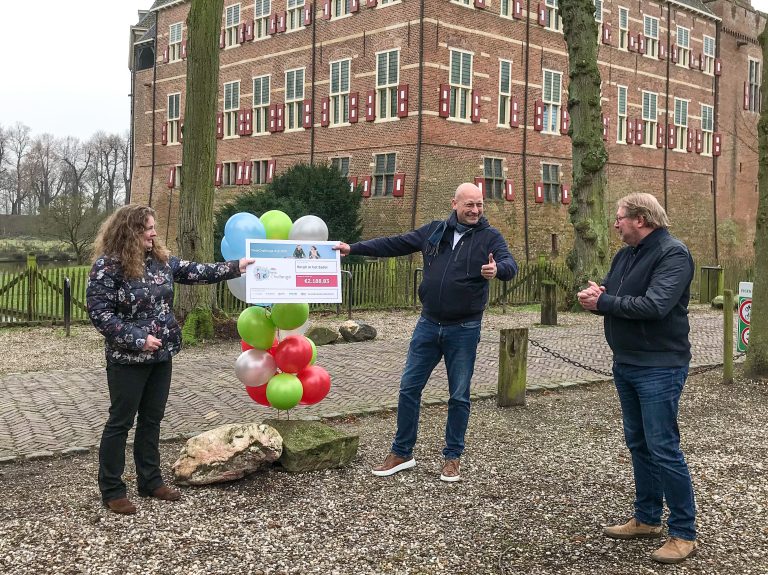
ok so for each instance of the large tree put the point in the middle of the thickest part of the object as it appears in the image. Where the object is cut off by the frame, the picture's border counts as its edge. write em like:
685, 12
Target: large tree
757, 352
589, 257
195, 240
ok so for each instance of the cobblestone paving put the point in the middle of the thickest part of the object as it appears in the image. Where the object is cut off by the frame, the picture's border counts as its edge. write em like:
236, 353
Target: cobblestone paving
64, 410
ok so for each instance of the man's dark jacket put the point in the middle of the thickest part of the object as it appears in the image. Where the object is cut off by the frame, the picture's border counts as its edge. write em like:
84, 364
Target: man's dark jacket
452, 290
645, 303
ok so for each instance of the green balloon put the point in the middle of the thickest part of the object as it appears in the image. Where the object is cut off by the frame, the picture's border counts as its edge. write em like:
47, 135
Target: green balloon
289, 315
277, 224
284, 391
314, 352
255, 328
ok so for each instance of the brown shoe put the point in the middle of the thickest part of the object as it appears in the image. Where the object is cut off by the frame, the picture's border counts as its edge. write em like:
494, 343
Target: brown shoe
393, 464
632, 529
121, 505
450, 471
163, 492
675, 550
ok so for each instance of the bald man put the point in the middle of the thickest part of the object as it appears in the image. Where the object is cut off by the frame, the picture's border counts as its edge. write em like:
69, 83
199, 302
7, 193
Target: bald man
461, 254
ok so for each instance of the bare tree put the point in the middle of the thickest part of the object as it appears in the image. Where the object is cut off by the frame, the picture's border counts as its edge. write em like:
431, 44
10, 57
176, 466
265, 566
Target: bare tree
19, 142
72, 219
76, 158
125, 166
107, 151
45, 170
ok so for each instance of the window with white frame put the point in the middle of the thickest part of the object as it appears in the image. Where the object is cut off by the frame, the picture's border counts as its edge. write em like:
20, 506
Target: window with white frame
623, 28
650, 117
231, 37
295, 14
387, 77
681, 124
461, 85
229, 174
174, 42
259, 172
342, 165
174, 117
550, 177
552, 15
383, 174
598, 10
551, 98
505, 90
294, 96
386, 2
707, 128
505, 9
708, 53
340, 8
683, 40
340, 91
261, 13
260, 104
462, 2
651, 33
754, 81
493, 173
231, 107
621, 114
177, 177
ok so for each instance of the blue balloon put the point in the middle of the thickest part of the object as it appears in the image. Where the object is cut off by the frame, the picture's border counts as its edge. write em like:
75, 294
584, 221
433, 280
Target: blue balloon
230, 253
240, 227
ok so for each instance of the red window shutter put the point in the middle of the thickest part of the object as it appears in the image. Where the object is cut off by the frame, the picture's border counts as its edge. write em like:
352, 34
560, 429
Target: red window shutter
746, 95
172, 177
239, 176
565, 120
279, 111
566, 195
354, 98
538, 188
272, 28
166, 55
181, 130
272, 118
480, 183
514, 113
716, 143
249, 34
445, 99
640, 43
662, 51
370, 105
630, 131
692, 61
307, 114
699, 141
366, 191
659, 135
354, 6
607, 33
671, 136
402, 101
371, 3
218, 175
271, 166
241, 33
509, 190
249, 122
240, 122
517, 9
183, 49
326, 9
281, 21
701, 61
220, 125
475, 115
222, 41
606, 123
639, 132
480, 4
538, 115
673, 53
541, 14
164, 134
399, 185
325, 104
352, 183
690, 143
632, 46
308, 10
247, 172
718, 66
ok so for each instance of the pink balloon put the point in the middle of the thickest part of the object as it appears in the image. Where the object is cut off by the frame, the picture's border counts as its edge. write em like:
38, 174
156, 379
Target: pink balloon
259, 394
293, 354
255, 367
316, 383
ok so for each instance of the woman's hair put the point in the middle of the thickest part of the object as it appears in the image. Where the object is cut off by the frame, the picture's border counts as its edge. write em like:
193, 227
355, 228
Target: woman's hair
646, 205
121, 237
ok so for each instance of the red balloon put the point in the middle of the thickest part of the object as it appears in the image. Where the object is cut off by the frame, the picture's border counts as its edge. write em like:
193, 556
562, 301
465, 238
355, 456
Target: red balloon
245, 346
273, 349
259, 394
293, 354
316, 383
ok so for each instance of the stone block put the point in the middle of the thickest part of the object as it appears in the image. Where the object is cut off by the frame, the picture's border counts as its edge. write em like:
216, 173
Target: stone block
313, 446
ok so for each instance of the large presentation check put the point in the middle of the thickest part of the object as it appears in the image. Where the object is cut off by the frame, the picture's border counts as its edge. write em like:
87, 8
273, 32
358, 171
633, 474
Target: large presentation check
289, 271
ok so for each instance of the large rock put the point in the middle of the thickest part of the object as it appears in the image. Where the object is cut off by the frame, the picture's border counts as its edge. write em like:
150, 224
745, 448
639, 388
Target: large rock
312, 445
354, 331
227, 453
322, 334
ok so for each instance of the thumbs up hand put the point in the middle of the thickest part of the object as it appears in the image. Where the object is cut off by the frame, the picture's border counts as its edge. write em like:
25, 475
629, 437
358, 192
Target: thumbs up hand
488, 271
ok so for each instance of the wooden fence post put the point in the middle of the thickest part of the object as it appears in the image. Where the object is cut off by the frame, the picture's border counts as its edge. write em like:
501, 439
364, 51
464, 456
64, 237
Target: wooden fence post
31, 286
727, 336
513, 363
549, 303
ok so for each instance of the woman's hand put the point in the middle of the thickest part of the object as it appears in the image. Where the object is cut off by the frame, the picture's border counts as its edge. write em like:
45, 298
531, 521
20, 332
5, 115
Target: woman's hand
245, 262
152, 344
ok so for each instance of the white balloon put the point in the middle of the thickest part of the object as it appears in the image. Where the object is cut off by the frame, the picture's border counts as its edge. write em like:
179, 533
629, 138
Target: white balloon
283, 333
309, 229
237, 287
255, 367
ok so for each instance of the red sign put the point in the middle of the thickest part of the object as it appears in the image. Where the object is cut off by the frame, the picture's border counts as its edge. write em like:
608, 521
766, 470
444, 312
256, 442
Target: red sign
316, 281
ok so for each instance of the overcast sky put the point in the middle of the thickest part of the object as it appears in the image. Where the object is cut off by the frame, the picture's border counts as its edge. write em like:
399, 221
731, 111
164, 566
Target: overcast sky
64, 65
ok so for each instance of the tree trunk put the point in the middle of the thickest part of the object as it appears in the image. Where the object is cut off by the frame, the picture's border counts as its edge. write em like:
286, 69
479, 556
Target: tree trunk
195, 227
757, 352
589, 257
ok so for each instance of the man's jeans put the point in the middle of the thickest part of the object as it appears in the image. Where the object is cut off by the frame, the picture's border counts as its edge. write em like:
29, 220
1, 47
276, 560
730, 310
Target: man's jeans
649, 399
457, 343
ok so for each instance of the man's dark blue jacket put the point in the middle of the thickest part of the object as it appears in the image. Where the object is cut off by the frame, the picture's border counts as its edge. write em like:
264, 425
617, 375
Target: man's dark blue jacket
452, 290
645, 303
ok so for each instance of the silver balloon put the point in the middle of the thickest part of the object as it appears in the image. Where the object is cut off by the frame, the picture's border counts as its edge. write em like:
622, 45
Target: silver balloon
255, 367
237, 287
309, 229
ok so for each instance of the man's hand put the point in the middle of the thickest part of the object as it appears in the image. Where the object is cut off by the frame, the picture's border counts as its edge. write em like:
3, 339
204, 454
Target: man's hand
488, 271
244, 263
152, 344
588, 296
342, 247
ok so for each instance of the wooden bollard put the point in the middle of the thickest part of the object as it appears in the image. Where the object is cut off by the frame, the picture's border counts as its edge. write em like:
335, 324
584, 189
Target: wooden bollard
727, 336
513, 367
549, 303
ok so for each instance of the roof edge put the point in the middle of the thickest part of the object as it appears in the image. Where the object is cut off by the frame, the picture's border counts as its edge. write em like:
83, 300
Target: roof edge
706, 13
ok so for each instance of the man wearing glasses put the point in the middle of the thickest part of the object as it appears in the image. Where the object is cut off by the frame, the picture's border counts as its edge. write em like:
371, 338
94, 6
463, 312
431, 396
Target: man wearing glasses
461, 254
644, 301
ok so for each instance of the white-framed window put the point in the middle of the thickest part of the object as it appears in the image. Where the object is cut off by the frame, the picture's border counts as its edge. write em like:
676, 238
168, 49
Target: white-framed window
707, 128
552, 15
621, 114
174, 41
177, 177
598, 11
259, 172
340, 91
231, 25
493, 173
174, 117
754, 82
651, 33
295, 14
505, 8
229, 174
551, 89
260, 104
261, 12
550, 177
462, 2
461, 85
683, 41
231, 107
341, 164
388, 2
681, 124
623, 28
708, 53
383, 174
650, 117
387, 77
340, 8
505, 90
294, 96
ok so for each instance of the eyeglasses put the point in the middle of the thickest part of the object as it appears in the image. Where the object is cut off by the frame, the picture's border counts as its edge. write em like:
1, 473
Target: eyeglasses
619, 218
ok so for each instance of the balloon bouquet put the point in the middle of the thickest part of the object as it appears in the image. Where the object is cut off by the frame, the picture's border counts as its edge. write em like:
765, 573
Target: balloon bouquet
277, 363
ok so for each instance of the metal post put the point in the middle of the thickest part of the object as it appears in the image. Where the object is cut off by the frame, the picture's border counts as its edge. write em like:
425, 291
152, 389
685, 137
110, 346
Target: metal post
415, 288
67, 305
728, 336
